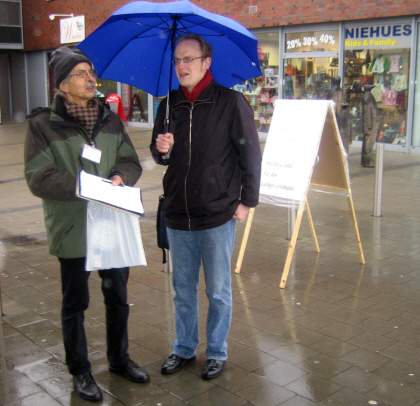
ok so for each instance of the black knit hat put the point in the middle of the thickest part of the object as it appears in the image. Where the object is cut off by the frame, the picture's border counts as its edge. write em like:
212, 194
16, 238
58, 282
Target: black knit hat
62, 62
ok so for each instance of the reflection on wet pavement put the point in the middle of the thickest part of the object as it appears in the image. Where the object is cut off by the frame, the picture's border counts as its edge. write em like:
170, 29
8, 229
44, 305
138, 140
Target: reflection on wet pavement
340, 333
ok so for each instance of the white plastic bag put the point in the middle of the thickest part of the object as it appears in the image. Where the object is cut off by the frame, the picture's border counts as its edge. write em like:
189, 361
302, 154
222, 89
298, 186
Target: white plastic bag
113, 239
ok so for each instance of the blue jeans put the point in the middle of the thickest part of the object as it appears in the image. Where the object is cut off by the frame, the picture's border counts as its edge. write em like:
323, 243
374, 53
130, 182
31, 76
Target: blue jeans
213, 248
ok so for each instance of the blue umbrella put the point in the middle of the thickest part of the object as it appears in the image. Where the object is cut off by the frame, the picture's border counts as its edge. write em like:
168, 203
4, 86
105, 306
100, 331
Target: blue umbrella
136, 45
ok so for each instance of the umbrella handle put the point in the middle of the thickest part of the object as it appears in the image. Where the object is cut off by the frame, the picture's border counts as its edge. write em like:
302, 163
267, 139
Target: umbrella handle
166, 126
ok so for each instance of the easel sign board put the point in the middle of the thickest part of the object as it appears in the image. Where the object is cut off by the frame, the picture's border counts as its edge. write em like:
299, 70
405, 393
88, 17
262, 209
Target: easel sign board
303, 148
331, 172
291, 149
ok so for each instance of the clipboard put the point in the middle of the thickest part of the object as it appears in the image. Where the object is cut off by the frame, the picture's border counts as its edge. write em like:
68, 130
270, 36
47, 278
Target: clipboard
100, 190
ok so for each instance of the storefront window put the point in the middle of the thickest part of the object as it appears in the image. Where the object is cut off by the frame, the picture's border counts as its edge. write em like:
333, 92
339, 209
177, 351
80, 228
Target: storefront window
156, 102
105, 87
310, 77
377, 59
416, 121
135, 104
261, 92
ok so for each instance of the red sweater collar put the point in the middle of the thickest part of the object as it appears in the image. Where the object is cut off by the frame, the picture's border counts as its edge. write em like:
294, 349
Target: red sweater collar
198, 88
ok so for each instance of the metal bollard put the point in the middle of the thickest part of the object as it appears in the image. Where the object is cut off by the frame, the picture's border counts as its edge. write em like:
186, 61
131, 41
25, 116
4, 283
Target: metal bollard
291, 219
2, 256
379, 172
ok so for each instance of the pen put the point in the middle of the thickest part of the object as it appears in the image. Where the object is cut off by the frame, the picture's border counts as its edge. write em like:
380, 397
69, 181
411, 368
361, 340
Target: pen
109, 181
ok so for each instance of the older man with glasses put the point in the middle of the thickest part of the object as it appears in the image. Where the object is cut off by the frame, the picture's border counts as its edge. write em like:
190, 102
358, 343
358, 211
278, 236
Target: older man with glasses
79, 132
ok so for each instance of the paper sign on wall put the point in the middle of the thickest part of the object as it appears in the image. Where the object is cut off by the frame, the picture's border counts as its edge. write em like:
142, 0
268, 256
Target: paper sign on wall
72, 30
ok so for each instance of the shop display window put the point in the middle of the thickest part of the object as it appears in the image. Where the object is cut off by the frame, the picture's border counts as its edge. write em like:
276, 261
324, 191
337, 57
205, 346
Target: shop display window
135, 103
308, 78
416, 116
261, 92
105, 87
385, 74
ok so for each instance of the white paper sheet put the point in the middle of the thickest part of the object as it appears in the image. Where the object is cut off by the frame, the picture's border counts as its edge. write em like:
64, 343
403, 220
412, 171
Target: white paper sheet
100, 190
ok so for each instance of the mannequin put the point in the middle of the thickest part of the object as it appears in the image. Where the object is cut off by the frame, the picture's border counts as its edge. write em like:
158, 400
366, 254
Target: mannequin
345, 126
370, 126
336, 94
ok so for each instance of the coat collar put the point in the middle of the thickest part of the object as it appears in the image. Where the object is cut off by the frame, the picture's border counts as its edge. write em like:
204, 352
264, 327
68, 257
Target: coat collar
59, 111
208, 95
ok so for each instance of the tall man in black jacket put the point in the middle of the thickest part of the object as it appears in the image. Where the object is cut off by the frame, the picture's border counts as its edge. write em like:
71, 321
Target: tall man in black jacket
214, 157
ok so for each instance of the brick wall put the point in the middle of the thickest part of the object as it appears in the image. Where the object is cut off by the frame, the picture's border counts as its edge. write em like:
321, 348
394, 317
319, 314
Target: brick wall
42, 33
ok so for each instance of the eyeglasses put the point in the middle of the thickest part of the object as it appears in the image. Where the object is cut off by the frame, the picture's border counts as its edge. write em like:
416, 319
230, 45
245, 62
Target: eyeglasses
83, 74
187, 60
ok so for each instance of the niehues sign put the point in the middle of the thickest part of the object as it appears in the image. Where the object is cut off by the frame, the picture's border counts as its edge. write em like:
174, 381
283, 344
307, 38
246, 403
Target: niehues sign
378, 36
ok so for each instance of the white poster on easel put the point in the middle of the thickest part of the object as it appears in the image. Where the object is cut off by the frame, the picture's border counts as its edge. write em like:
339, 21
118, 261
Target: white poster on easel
303, 149
291, 149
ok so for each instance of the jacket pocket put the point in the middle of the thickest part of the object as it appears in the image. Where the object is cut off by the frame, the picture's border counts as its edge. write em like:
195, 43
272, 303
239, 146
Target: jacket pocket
214, 187
66, 228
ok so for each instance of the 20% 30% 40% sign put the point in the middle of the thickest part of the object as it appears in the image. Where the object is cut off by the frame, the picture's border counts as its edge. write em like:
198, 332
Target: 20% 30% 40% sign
307, 41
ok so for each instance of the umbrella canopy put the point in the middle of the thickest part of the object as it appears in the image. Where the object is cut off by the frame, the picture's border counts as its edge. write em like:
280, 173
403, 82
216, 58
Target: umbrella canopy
135, 45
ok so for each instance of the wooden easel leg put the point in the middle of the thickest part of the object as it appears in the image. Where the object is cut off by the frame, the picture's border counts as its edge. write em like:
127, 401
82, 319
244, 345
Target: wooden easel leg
292, 246
244, 240
311, 225
356, 229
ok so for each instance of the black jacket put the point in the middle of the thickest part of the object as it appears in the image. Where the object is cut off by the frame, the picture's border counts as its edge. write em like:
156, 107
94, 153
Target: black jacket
215, 163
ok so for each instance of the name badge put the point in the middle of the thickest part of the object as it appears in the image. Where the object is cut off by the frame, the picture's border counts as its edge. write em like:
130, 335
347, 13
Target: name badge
91, 153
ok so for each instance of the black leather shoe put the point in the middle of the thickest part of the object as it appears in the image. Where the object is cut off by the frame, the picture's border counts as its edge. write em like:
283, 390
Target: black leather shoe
213, 368
86, 387
174, 364
131, 371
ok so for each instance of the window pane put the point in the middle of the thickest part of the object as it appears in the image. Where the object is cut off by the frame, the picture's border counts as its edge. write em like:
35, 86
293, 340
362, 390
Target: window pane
385, 73
10, 35
9, 13
308, 78
416, 123
135, 104
261, 92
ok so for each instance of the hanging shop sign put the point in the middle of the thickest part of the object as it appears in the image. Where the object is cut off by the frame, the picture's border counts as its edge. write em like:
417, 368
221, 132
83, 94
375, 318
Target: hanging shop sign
72, 30
386, 36
312, 41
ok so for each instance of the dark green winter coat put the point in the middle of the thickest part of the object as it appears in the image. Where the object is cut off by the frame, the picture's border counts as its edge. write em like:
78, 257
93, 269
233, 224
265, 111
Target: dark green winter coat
53, 147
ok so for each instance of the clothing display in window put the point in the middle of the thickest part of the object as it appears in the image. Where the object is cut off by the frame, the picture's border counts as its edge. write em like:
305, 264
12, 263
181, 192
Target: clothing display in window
395, 63
336, 94
388, 80
400, 100
400, 82
389, 97
345, 126
377, 92
379, 64
370, 127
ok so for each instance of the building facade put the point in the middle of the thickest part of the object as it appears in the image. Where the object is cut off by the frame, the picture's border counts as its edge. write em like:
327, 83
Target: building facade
302, 45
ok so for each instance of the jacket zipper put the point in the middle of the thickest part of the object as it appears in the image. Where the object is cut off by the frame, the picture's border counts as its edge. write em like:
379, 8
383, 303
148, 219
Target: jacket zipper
189, 166
189, 160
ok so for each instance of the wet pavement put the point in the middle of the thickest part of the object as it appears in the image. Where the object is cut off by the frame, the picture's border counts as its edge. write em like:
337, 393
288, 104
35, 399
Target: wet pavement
339, 334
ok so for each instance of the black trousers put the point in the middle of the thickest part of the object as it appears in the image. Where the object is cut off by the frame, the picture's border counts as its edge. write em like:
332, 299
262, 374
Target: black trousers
74, 282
